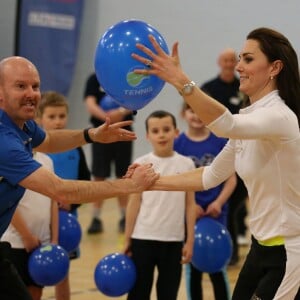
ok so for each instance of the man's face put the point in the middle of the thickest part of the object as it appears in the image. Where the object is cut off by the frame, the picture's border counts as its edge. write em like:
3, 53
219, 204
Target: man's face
227, 62
19, 90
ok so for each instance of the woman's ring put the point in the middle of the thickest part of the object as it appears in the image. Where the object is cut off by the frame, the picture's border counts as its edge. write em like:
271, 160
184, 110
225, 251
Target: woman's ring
148, 63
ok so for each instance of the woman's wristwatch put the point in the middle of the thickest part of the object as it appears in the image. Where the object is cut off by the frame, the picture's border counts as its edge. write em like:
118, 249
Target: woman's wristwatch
187, 88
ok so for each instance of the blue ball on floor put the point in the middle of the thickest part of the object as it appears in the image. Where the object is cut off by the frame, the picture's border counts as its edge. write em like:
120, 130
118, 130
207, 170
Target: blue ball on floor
212, 246
48, 264
115, 275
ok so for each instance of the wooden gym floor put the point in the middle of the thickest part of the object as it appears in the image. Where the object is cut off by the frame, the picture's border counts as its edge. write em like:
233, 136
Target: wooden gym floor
94, 247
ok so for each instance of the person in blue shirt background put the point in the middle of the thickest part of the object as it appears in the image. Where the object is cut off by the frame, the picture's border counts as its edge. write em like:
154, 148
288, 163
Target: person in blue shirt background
225, 88
200, 144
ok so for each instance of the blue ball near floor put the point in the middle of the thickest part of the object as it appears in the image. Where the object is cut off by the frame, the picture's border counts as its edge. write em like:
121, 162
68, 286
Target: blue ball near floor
48, 264
115, 275
114, 65
212, 246
107, 103
69, 231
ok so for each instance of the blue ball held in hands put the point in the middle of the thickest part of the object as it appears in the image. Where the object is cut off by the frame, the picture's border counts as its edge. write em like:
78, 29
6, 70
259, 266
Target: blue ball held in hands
115, 275
48, 265
69, 231
212, 246
114, 65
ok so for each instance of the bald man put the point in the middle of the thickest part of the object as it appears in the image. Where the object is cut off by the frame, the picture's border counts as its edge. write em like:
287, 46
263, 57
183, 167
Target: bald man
225, 87
19, 135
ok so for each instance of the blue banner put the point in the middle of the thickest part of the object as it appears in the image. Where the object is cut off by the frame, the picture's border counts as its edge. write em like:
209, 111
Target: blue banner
48, 35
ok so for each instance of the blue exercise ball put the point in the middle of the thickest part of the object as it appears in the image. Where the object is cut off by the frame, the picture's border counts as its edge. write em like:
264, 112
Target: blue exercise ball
48, 264
212, 246
115, 275
107, 103
114, 65
69, 231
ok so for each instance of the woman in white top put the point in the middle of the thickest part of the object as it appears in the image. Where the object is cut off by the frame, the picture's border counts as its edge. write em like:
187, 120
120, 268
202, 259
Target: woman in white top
264, 149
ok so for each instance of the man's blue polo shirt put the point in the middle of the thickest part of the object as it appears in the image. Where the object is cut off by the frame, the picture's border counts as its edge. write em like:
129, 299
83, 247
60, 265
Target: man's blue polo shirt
16, 163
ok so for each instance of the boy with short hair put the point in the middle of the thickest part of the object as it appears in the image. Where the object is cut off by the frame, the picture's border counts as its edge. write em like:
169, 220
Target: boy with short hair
156, 220
53, 114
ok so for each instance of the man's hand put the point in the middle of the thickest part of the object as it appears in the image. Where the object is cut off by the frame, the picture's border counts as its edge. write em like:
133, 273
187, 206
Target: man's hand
109, 133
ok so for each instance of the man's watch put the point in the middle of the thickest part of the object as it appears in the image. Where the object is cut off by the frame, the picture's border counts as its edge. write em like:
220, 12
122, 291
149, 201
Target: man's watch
187, 88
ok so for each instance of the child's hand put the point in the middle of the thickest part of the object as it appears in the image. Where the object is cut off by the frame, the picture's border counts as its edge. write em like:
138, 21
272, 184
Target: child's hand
130, 170
214, 209
64, 206
31, 242
127, 247
199, 212
187, 252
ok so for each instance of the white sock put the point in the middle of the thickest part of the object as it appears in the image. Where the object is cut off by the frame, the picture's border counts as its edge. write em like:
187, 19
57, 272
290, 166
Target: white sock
96, 212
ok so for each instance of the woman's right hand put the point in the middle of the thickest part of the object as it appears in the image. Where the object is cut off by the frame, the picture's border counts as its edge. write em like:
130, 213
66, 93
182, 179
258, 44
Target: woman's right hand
166, 67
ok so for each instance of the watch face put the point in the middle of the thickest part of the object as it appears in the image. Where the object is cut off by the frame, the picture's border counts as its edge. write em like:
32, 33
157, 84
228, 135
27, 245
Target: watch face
188, 88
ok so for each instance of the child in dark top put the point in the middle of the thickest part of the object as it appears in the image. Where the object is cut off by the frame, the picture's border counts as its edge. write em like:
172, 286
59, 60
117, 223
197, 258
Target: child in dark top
103, 155
203, 146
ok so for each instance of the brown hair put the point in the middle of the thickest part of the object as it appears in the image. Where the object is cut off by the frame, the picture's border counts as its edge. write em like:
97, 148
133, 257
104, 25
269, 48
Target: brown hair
161, 114
51, 98
277, 47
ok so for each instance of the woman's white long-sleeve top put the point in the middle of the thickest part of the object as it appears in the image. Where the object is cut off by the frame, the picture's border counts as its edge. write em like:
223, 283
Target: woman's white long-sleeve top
264, 149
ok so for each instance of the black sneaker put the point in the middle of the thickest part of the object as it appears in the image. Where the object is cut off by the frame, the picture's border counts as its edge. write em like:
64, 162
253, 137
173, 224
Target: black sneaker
122, 225
95, 227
